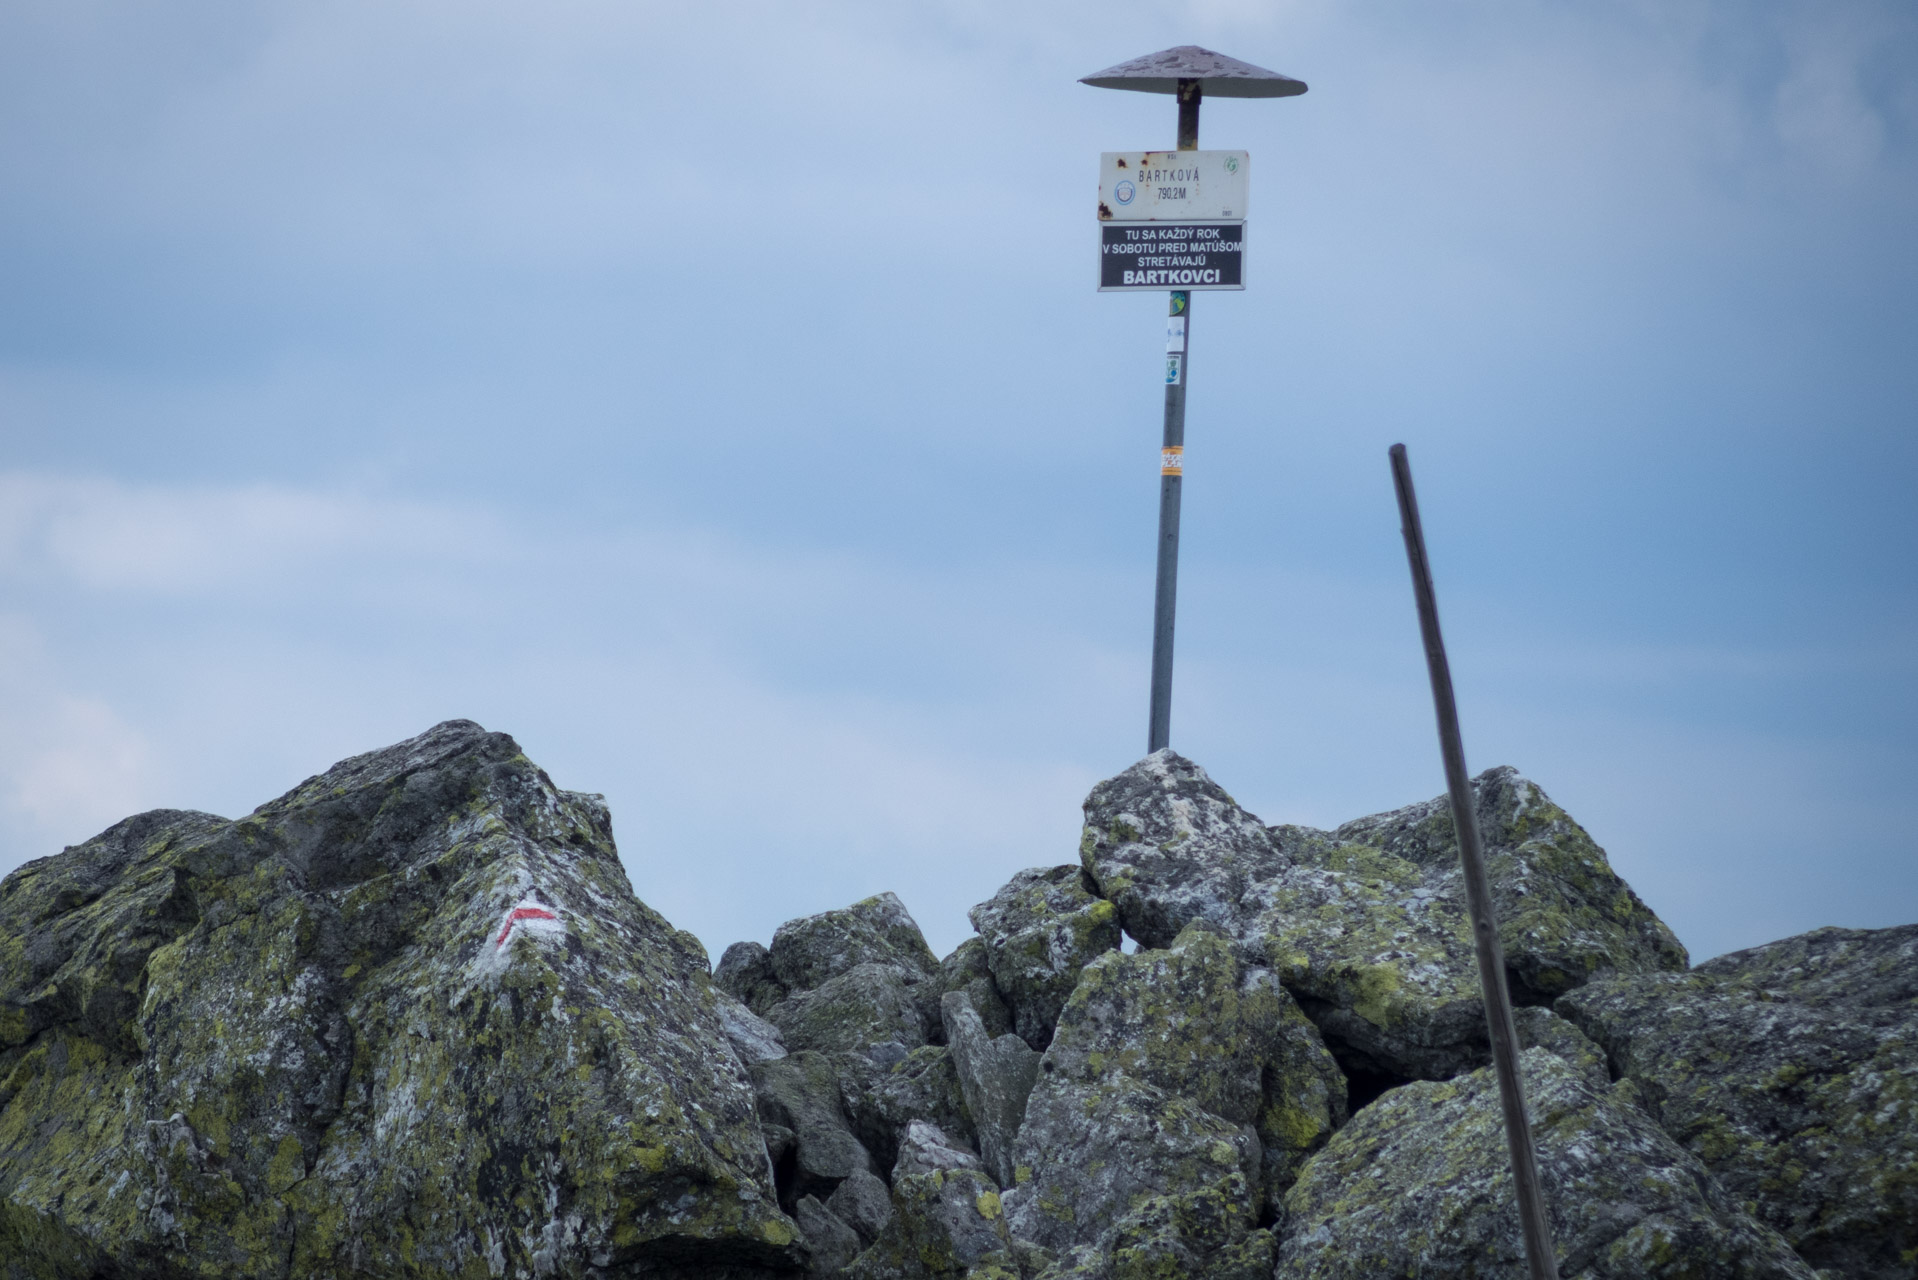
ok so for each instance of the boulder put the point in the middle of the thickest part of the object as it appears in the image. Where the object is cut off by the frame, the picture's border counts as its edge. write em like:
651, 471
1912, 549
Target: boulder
409, 1017
1192, 1021
752, 1037
966, 970
808, 952
946, 1217
745, 972
1419, 1183
833, 1243
863, 1203
857, 1010
995, 1078
1366, 925
800, 1094
884, 1098
1038, 932
1791, 1071
1197, 1236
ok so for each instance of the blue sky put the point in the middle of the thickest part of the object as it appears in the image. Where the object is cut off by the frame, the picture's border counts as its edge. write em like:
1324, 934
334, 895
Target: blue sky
716, 398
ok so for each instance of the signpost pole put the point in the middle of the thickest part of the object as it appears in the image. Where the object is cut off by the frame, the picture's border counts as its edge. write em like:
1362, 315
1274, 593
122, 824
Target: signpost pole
1176, 224
1165, 600
1533, 1225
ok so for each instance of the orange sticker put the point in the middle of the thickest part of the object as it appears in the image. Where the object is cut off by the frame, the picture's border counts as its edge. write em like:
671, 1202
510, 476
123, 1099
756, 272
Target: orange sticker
1172, 460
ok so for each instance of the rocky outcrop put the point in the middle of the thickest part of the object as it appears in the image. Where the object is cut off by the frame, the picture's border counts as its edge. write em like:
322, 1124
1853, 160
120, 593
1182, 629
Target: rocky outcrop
1366, 925
407, 1018
1039, 932
409, 1021
1419, 1184
1791, 1072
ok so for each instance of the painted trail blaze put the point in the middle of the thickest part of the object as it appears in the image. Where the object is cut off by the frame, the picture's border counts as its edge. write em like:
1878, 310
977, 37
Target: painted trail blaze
519, 914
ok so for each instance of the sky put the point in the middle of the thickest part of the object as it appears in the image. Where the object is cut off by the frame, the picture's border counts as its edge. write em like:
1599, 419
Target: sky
717, 398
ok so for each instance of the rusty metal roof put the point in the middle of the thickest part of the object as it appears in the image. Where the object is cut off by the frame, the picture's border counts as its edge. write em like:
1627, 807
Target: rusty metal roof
1220, 76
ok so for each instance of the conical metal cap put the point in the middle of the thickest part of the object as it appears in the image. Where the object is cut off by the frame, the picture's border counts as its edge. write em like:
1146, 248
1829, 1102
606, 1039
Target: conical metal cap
1219, 76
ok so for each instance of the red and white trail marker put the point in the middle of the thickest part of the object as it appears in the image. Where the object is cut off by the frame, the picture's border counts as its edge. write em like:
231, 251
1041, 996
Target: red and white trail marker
528, 916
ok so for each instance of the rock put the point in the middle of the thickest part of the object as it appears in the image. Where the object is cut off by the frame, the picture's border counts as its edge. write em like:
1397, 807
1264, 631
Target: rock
862, 1007
995, 1078
1542, 1029
883, 1099
745, 973
808, 952
1419, 1183
946, 1218
1191, 1021
1088, 1152
966, 970
1564, 915
800, 1093
863, 1203
1791, 1071
1194, 1237
1038, 932
1366, 925
1166, 845
408, 1017
753, 1038
834, 1244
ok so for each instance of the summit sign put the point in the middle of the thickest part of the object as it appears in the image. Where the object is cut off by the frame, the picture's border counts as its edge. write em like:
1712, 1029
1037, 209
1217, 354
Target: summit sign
1172, 220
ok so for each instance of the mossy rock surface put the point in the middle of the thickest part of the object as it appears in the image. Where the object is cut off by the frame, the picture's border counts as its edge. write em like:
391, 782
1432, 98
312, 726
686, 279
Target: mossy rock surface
1791, 1071
1419, 1184
1366, 924
1038, 932
406, 1020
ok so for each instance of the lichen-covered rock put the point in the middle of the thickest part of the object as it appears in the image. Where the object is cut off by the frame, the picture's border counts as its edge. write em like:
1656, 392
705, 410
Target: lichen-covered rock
1420, 1184
833, 1243
946, 1217
752, 1037
995, 1079
1039, 931
1563, 913
858, 1009
1088, 1152
1542, 1029
1366, 925
863, 1203
745, 972
800, 1094
1198, 1236
808, 952
884, 1097
1791, 1070
966, 970
407, 1019
1166, 845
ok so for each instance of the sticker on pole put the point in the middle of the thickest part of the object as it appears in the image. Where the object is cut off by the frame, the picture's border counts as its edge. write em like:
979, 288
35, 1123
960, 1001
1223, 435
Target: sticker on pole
1173, 186
1172, 460
1139, 256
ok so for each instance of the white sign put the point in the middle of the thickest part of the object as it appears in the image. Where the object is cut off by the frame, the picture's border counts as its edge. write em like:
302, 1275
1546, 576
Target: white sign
1172, 186
1174, 334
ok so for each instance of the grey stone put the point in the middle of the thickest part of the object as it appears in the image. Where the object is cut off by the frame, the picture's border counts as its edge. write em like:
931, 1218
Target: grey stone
800, 1093
298, 1043
745, 972
995, 1078
884, 1099
1542, 1029
1366, 925
1420, 1184
863, 1203
860, 1008
966, 970
834, 1244
808, 952
1198, 1236
1791, 1071
946, 1217
753, 1038
1039, 931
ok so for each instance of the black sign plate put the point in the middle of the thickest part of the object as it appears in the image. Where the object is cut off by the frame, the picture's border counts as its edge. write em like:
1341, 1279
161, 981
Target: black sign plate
1171, 255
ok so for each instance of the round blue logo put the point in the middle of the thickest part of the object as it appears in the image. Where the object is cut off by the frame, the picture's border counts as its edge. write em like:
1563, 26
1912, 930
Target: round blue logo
1124, 192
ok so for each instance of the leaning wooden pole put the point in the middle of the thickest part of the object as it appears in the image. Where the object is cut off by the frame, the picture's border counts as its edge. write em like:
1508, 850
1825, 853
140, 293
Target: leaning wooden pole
1478, 892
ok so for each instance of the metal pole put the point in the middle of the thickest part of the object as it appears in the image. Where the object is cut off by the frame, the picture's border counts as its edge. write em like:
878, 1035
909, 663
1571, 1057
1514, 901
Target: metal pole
1478, 891
1165, 599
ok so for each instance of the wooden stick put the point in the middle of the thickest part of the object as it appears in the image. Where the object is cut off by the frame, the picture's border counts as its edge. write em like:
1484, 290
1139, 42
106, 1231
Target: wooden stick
1478, 892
